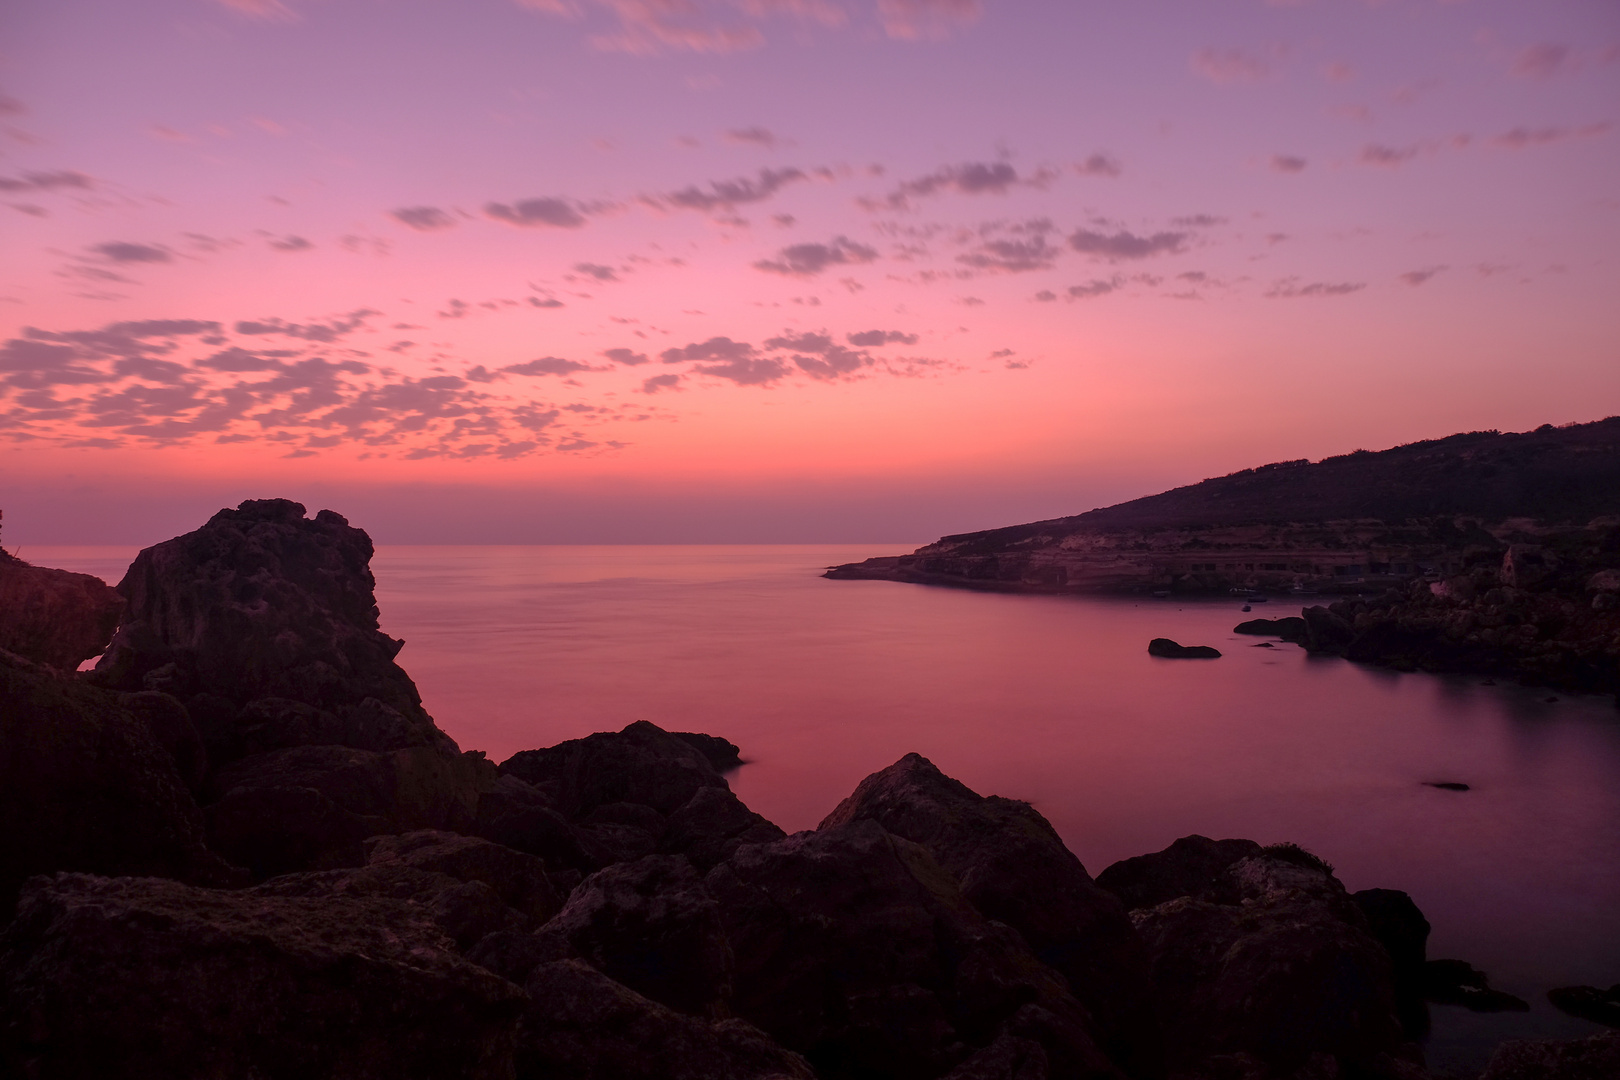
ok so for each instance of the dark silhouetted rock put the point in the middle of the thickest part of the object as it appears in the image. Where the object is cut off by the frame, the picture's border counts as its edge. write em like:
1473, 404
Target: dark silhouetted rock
712, 825
262, 603
652, 926
171, 726
1589, 1003
1289, 628
138, 977
1010, 1057
1446, 785
1192, 866
856, 948
1282, 970
518, 815
1394, 919
519, 879
642, 764
1596, 1058
1011, 865
55, 617
86, 785
723, 754
1455, 982
1170, 650
1325, 631
581, 1025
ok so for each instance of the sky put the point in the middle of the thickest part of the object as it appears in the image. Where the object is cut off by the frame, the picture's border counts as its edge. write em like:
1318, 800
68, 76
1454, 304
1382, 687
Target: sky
668, 271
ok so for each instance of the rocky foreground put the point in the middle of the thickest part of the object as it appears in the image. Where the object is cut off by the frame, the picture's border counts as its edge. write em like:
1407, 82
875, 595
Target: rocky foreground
241, 848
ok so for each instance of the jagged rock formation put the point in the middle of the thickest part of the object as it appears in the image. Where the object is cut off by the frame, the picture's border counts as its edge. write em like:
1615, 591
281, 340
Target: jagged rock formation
55, 617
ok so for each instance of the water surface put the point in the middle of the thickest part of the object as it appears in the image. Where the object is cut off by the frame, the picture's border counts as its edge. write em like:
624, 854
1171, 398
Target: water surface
1053, 700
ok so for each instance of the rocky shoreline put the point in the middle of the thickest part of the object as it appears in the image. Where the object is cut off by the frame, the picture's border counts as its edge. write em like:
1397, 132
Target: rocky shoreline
241, 847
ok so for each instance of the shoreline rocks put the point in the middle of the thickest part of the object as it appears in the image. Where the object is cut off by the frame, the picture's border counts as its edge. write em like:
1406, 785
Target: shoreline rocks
1170, 650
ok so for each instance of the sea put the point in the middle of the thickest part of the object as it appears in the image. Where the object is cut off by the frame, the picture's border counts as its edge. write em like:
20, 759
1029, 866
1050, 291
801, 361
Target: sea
1054, 700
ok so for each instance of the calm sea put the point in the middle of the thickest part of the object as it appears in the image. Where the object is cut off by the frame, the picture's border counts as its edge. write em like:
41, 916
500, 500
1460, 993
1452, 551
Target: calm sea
1053, 700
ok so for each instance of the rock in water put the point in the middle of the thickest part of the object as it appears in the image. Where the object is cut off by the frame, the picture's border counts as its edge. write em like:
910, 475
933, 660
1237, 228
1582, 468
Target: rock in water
1170, 650
55, 617
1589, 1003
1011, 864
137, 977
1289, 628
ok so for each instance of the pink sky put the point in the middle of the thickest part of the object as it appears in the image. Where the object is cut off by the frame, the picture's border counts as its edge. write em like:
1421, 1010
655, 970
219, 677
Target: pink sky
754, 270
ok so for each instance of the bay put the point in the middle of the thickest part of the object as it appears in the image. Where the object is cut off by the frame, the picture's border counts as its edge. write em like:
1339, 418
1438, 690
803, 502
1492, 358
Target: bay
1053, 700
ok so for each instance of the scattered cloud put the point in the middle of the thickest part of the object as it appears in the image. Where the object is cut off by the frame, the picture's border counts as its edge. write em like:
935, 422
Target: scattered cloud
1012, 256
290, 243
1415, 278
1524, 138
1120, 246
973, 178
1541, 61
1290, 288
647, 27
119, 251
423, 218
556, 213
667, 381
756, 136
325, 332
716, 348
1098, 165
547, 365
1287, 163
807, 260
597, 271
1226, 66
1094, 287
625, 356
727, 195
59, 180
912, 20
868, 339
819, 356
1388, 157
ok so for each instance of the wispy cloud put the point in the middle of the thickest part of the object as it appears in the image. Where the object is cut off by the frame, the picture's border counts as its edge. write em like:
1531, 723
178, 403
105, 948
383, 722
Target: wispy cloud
972, 178
529, 213
423, 218
1541, 61
1291, 288
911, 20
1121, 246
1227, 66
806, 260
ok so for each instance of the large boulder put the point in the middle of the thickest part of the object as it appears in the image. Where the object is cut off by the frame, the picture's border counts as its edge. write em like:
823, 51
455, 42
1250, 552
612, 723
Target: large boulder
1275, 961
1013, 867
1595, 1058
857, 948
55, 617
85, 784
263, 603
144, 978
581, 1025
643, 764
1191, 866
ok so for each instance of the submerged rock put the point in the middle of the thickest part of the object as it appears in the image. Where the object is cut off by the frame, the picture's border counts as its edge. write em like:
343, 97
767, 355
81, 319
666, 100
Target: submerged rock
139, 977
1170, 650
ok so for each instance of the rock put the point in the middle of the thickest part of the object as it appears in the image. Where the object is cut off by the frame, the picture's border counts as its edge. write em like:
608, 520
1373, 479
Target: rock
642, 764
308, 807
1011, 865
519, 879
1325, 631
1604, 581
85, 785
55, 617
723, 754
1289, 628
581, 1025
1589, 1003
170, 725
652, 926
857, 949
711, 826
1453, 982
1192, 866
1596, 1058
1168, 649
1400, 927
1527, 565
262, 603
518, 815
1010, 1057
1447, 785
238, 984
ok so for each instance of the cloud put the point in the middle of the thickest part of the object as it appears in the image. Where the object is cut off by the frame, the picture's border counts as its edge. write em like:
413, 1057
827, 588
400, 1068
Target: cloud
1046, 296
973, 178
1388, 157
819, 356
1126, 245
545, 302
423, 218
913, 20
1094, 287
1225, 66
325, 332
265, 10
806, 260
291, 243
667, 381
1415, 278
1287, 163
547, 365
756, 136
646, 27
760, 371
1198, 221
726, 195
1098, 165
1523, 138
1012, 256
625, 356
556, 213
867, 339
46, 181
120, 251
597, 271
1290, 288
1541, 61
716, 348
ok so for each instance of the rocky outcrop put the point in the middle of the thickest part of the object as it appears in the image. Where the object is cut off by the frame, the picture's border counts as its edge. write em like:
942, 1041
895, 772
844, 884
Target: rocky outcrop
1596, 1058
1288, 628
86, 783
1171, 650
1011, 865
55, 617
140, 977
1589, 1003
856, 948
1266, 957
